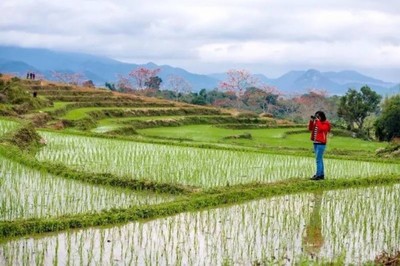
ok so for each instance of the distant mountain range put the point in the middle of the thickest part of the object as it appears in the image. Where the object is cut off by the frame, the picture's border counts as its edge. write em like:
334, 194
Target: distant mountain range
102, 69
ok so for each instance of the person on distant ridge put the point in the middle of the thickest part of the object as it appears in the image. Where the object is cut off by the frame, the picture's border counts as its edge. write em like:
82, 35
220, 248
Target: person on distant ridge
319, 127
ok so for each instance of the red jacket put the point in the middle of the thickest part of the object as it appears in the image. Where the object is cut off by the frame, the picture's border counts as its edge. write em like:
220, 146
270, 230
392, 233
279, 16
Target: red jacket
319, 130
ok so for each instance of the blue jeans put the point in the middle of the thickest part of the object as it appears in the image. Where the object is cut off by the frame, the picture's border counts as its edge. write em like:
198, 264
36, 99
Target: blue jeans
319, 154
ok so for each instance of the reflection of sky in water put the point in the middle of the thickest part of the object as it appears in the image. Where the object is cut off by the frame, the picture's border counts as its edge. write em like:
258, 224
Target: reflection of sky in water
357, 224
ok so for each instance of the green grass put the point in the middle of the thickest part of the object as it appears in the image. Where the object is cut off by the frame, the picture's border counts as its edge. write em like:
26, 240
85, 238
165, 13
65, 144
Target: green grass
272, 137
7, 125
125, 120
109, 124
56, 106
81, 113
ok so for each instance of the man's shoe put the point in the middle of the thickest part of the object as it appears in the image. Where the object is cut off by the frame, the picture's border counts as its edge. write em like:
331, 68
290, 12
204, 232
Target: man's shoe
315, 177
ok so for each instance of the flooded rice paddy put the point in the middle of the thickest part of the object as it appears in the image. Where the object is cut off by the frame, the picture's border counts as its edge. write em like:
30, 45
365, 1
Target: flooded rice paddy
349, 226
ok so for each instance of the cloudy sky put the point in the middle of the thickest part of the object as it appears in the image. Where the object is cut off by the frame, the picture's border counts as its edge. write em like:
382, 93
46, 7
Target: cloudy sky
263, 36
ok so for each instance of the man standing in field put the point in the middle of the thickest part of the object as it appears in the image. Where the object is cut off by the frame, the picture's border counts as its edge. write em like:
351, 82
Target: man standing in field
319, 127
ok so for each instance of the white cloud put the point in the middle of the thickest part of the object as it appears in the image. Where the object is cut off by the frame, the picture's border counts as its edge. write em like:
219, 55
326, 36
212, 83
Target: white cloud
207, 35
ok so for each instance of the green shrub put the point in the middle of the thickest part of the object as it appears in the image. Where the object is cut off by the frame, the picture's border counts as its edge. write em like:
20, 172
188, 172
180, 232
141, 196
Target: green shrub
25, 137
125, 131
16, 94
240, 136
85, 123
247, 114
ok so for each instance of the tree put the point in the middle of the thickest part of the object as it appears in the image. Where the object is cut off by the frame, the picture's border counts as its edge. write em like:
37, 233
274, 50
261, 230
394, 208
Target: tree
260, 99
237, 82
88, 83
270, 100
387, 125
142, 75
153, 83
355, 106
312, 101
123, 84
68, 78
110, 86
199, 100
178, 85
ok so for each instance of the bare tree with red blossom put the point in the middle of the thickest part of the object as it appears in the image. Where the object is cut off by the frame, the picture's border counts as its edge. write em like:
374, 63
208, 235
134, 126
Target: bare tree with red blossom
142, 76
270, 99
311, 102
262, 97
238, 81
68, 78
124, 84
178, 85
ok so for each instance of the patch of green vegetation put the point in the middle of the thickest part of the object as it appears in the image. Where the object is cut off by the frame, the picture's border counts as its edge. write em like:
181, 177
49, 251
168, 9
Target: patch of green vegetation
7, 124
16, 93
267, 138
108, 128
114, 123
81, 113
56, 106
102, 112
25, 138
129, 120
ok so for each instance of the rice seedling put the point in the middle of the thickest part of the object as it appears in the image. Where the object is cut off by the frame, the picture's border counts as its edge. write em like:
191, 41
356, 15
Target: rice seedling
203, 238
361, 223
356, 225
193, 166
27, 193
6, 126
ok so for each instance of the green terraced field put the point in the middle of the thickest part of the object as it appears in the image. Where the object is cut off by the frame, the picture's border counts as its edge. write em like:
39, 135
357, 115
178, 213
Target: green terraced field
271, 137
177, 184
192, 166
